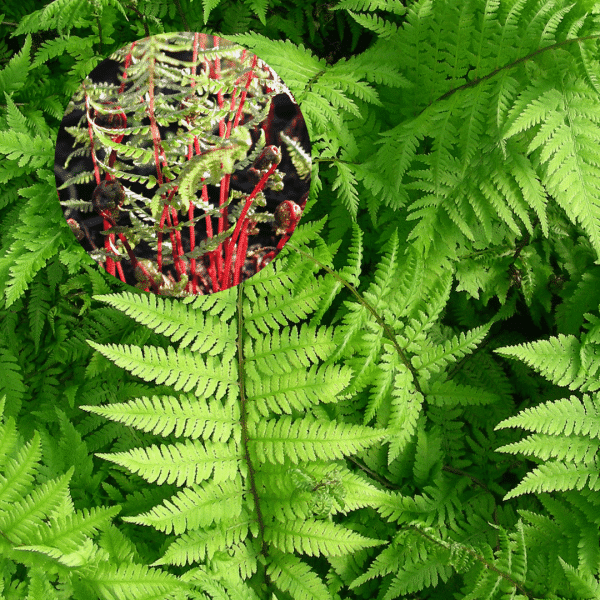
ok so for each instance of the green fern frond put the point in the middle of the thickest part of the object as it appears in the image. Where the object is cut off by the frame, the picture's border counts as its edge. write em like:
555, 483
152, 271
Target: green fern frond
351, 271
292, 575
393, 6
269, 312
182, 464
307, 439
59, 14
18, 472
209, 6
134, 581
38, 309
259, 8
405, 409
451, 350
383, 28
420, 575
33, 151
186, 416
195, 507
29, 511
566, 432
287, 350
346, 182
565, 416
316, 538
300, 159
69, 532
558, 359
570, 176
200, 544
75, 46
11, 382
558, 475
182, 369
14, 75
200, 331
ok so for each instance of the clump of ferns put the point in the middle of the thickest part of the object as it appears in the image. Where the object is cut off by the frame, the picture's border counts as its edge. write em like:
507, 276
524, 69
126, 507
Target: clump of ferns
182, 129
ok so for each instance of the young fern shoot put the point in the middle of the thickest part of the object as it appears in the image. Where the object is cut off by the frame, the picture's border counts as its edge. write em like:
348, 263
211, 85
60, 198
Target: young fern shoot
188, 119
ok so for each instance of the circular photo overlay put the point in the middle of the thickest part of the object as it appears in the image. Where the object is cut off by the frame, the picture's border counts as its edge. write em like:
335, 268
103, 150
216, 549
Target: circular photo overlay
183, 164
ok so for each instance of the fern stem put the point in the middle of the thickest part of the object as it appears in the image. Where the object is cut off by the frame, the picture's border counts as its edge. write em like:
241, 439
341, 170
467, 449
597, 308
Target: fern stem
389, 334
495, 72
181, 15
241, 253
477, 557
384, 482
244, 424
141, 17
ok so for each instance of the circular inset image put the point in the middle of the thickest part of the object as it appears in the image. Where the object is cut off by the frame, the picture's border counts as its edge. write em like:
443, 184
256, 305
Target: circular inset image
183, 164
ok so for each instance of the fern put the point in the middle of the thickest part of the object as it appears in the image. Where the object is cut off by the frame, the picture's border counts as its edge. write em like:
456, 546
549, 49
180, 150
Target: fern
347, 423
40, 525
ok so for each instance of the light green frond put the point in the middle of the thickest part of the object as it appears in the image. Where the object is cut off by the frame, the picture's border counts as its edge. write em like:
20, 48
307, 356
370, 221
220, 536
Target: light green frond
567, 449
300, 159
185, 415
291, 348
450, 350
197, 545
554, 476
19, 472
393, 6
351, 271
259, 8
346, 183
385, 276
564, 121
292, 575
59, 14
295, 64
195, 507
296, 390
198, 330
383, 28
14, 74
209, 5
11, 382
420, 574
74, 45
558, 359
269, 312
387, 561
307, 439
132, 581
316, 538
182, 369
583, 583
28, 512
565, 416
405, 410
181, 464
8, 441
70, 531
382, 378
449, 393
